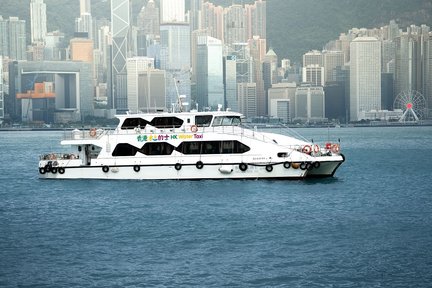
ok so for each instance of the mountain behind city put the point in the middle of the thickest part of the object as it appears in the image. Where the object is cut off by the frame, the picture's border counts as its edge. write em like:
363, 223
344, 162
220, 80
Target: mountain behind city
293, 26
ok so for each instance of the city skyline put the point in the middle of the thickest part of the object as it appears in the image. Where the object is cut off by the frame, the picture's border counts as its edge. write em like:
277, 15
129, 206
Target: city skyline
234, 25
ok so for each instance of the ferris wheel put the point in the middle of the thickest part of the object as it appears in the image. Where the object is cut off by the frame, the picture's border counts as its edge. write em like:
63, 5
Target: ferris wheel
413, 105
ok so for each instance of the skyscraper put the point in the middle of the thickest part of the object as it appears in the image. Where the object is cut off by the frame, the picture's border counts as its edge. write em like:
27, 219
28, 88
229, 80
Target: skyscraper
209, 84
365, 77
230, 82
332, 60
135, 66
195, 14
235, 27
1, 91
120, 23
17, 38
176, 60
4, 37
148, 19
172, 11
38, 21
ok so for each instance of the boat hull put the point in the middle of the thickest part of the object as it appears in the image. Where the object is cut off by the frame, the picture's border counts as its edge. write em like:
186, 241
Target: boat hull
183, 172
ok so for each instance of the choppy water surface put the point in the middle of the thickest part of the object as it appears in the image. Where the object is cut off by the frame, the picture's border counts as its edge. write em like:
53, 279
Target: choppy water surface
370, 226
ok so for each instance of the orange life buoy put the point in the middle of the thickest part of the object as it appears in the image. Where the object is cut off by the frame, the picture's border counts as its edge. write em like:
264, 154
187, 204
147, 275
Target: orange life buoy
92, 132
194, 128
335, 148
307, 149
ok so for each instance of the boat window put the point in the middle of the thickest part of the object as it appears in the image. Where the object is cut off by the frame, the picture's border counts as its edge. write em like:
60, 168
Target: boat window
203, 120
157, 148
166, 122
226, 121
131, 123
212, 147
124, 149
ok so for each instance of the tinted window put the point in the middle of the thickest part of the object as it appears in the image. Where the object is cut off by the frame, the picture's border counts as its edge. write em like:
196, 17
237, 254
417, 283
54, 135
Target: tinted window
212, 147
131, 123
157, 148
226, 121
203, 120
124, 149
166, 122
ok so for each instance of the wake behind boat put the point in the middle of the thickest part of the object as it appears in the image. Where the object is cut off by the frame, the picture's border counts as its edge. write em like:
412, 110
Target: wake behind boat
187, 145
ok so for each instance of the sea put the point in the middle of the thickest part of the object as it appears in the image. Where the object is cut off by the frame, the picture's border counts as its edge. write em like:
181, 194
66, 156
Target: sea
368, 226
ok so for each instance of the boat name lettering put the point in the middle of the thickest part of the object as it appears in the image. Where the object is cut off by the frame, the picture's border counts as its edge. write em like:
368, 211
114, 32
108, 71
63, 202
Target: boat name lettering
161, 137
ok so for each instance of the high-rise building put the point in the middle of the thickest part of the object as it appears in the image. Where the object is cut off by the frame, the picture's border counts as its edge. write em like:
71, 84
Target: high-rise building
258, 50
1, 91
176, 60
135, 66
281, 99
230, 82
256, 15
16, 38
172, 11
247, 99
313, 74
4, 37
332, 60
120, 26
195, 14
148, 19
209, 75
212, 19
270, 72
309, 103
365, 77
235, 26
313, 57
38, 21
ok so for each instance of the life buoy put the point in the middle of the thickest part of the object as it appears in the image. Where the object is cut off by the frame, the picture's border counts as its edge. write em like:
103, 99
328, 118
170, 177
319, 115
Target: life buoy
105, 169
42, 170
287, 165
194, 128
177, 166
61, 170
92, 132
316, 148
243, 166
136, 168
269, 168
335, 148
199, 164
307, 149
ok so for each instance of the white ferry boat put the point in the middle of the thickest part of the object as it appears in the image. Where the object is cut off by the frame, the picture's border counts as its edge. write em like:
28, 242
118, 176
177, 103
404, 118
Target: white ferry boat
187, 145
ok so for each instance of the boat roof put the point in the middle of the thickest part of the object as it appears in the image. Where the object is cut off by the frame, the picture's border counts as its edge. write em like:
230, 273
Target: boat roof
179, 114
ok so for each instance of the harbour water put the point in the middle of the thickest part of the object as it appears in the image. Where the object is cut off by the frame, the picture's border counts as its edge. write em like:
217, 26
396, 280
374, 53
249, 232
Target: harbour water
369, 226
